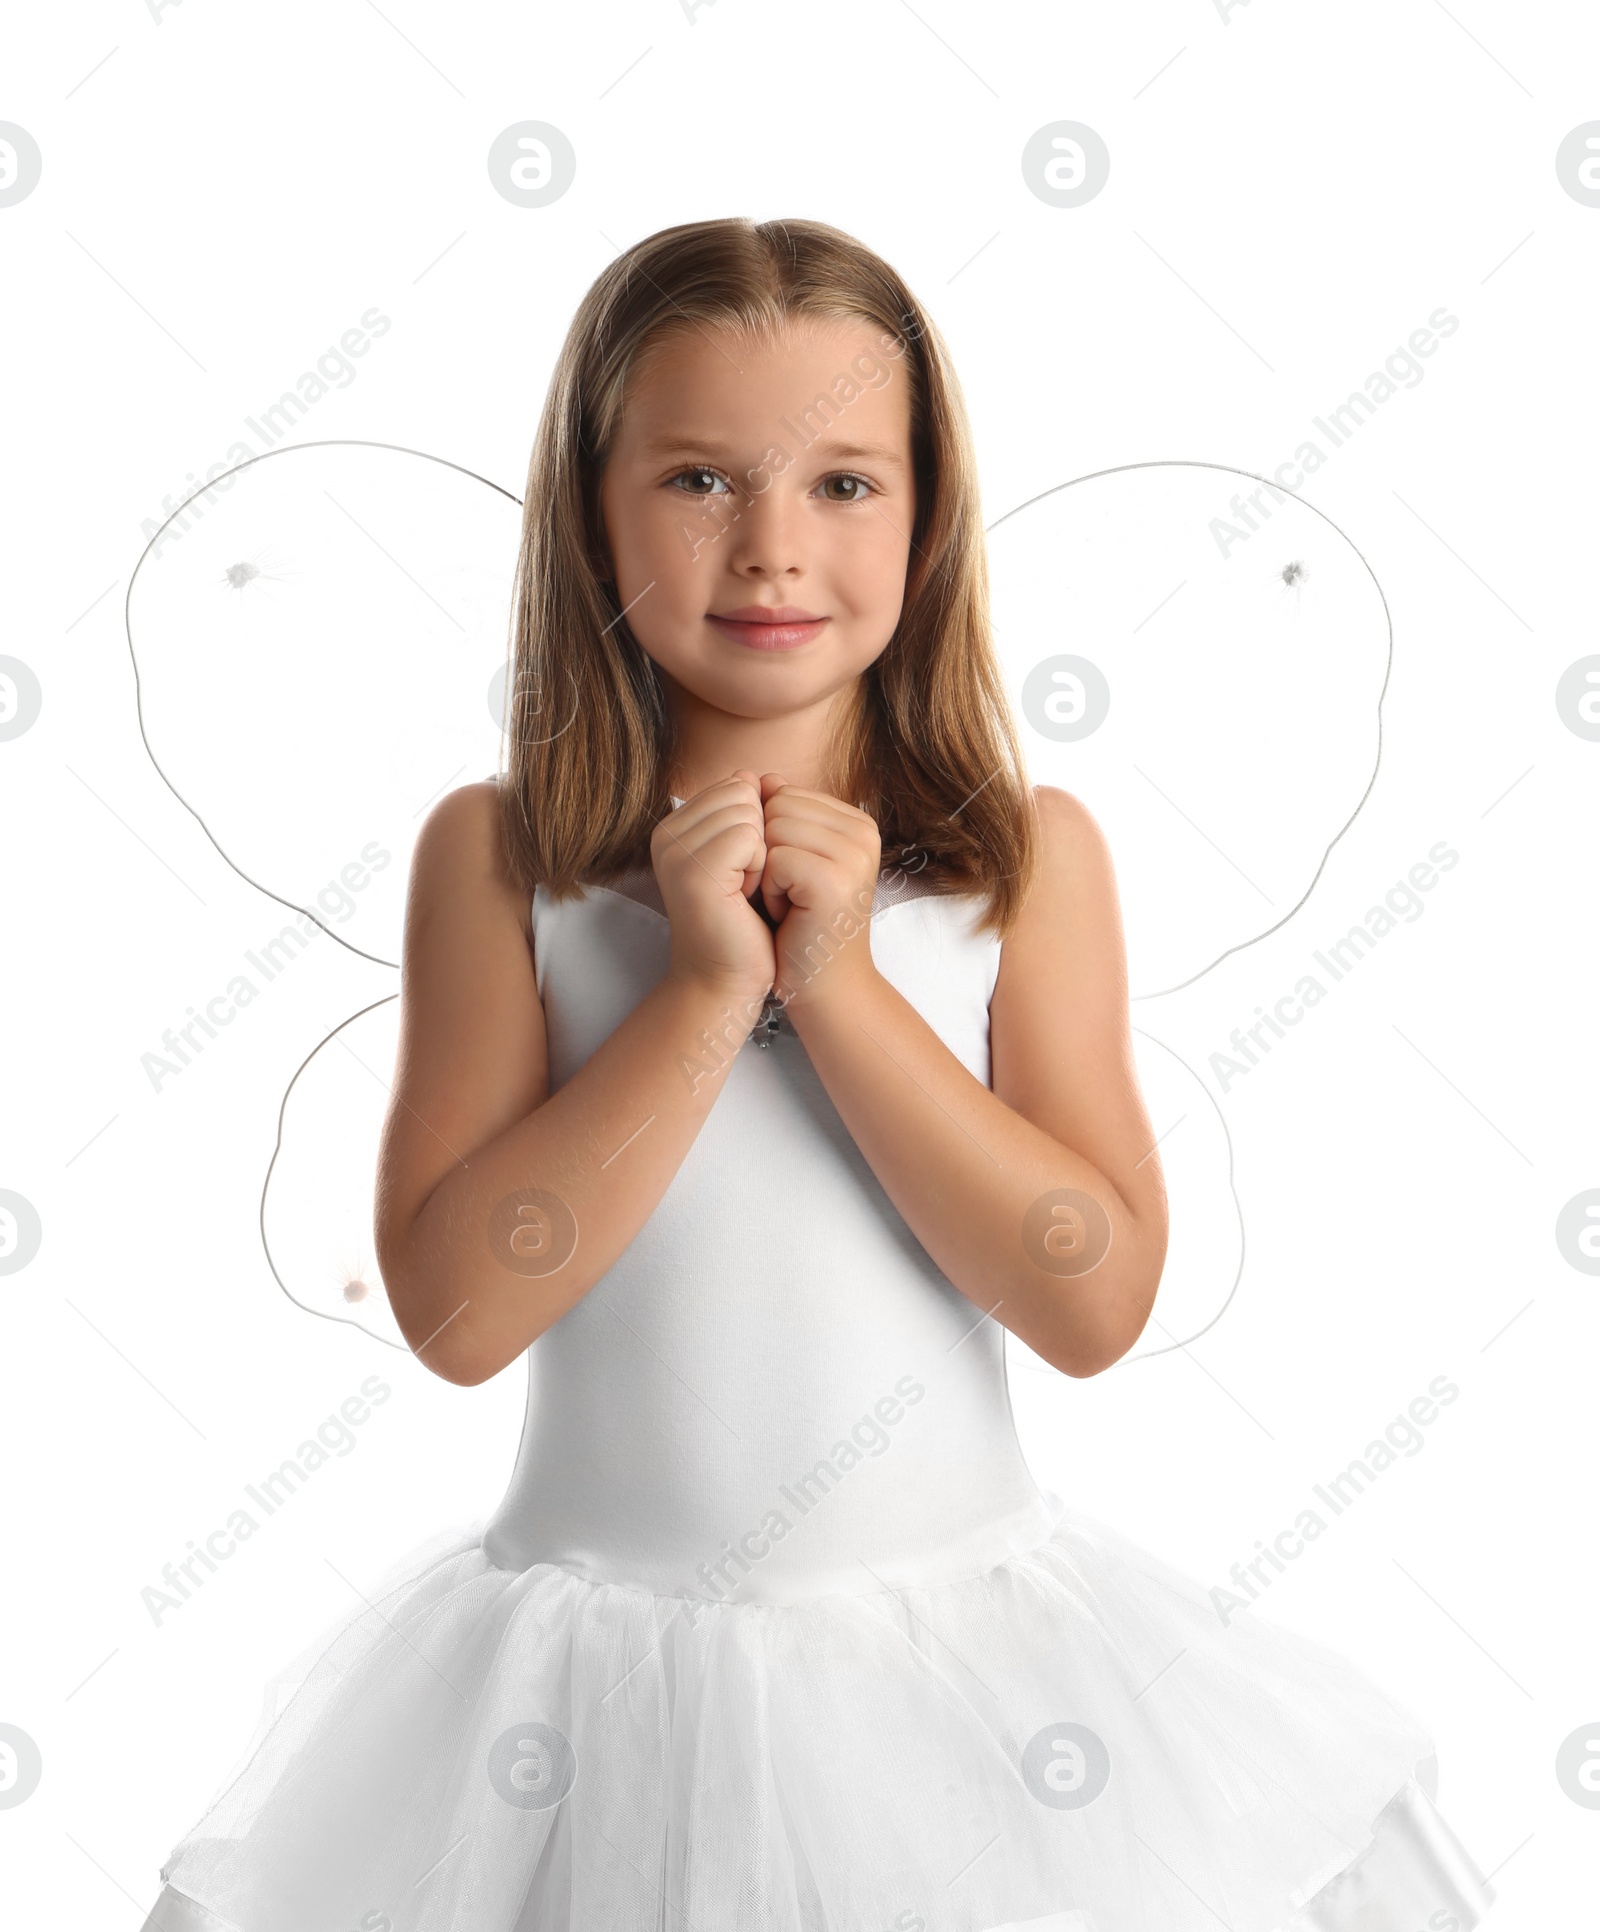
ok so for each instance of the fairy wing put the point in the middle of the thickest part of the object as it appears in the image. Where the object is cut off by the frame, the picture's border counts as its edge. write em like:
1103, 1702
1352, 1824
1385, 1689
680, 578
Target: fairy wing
319, 641
1200, 657
1206, 671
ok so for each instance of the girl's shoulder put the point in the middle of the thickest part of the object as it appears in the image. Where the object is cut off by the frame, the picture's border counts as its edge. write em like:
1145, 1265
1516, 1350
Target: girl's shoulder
1071, 919
1064, 821
461, 855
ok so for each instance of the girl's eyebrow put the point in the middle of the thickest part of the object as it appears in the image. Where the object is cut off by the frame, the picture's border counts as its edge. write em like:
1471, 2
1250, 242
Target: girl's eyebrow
674, 445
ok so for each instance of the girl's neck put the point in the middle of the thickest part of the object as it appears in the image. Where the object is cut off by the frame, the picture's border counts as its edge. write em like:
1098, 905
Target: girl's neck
710, 744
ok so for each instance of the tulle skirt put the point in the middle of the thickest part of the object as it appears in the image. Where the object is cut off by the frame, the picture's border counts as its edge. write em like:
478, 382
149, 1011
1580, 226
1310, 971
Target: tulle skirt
1072, 1741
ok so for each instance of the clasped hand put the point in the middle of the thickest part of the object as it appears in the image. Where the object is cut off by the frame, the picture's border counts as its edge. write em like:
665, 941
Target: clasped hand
811, 859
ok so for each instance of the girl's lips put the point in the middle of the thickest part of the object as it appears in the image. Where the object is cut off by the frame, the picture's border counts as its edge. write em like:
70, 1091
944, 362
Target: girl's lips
767, 637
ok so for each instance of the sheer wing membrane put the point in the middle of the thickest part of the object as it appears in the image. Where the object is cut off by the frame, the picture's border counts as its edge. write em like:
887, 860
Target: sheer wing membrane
319, 640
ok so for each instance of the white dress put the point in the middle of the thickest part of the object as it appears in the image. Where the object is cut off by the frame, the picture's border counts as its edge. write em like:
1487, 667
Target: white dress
774, 1631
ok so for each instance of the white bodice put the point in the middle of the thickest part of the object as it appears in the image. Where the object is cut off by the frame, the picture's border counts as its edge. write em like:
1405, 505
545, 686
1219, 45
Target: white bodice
773, 1393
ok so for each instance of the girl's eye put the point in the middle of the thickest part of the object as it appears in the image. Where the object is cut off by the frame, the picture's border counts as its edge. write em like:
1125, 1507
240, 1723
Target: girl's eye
699, 473
849, 476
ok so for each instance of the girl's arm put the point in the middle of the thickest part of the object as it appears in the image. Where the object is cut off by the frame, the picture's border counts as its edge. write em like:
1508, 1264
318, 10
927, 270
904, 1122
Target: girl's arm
471, 1118
970, 1168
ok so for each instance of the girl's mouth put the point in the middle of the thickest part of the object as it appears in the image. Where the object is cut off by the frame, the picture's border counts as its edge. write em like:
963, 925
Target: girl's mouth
777, 628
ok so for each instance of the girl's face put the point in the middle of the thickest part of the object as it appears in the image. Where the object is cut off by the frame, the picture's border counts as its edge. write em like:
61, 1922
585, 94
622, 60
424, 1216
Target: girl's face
755, 479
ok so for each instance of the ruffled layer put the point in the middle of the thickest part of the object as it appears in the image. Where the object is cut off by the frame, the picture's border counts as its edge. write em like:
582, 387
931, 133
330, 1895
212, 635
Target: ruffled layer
1071, 1741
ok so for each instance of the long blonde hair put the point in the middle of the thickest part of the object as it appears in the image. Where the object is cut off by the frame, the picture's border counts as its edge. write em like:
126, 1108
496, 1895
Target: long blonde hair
928, 747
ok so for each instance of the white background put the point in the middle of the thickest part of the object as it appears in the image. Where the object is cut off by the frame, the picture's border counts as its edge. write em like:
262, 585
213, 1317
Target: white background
1293, 191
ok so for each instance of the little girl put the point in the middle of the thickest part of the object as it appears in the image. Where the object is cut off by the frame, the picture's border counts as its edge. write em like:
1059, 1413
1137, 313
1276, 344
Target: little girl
764, 1056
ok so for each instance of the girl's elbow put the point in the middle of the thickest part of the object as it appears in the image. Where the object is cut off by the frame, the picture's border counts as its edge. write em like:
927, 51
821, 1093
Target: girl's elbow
461, 1371
434, 1328
1093, 1353
458, 1354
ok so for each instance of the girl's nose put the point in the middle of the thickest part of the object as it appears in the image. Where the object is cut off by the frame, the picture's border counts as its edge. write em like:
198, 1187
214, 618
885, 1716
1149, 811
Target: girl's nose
767, 534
